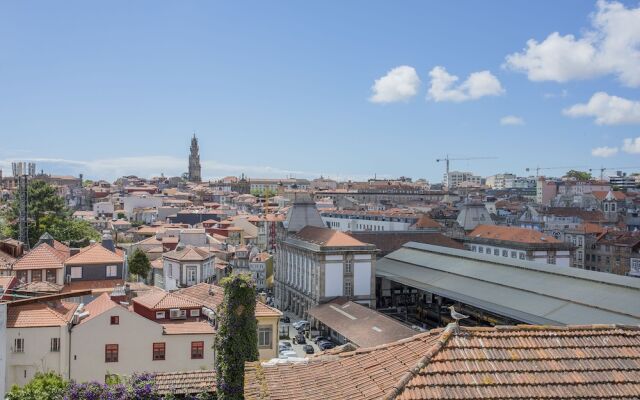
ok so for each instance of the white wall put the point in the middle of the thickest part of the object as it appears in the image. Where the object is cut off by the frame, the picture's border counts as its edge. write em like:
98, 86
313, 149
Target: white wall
135, 336
362, 278
333, 283
131, 202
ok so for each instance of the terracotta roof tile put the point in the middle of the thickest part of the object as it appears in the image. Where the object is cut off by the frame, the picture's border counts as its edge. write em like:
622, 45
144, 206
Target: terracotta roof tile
189, 253
99, 305
328, 237
185, 382
43, 256
161, 300
56, 313
521, 362
188, 328
211, 296
511, 234
95, 254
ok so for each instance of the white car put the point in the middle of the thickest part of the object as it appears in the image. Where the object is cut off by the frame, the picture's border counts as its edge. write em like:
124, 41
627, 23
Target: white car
300, 324
288, 354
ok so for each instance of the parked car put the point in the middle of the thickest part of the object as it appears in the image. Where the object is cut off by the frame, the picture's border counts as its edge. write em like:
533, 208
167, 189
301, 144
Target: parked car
288, 354
285, 344
300, 324
319, 338
308, 349
326, 345
299, 339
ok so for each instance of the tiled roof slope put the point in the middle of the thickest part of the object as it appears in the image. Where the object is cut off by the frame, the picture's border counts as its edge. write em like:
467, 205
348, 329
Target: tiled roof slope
211, 296
511, 234
33, 315
95, 254
519, 362
161, 300
185, 382
43, 256
327, 237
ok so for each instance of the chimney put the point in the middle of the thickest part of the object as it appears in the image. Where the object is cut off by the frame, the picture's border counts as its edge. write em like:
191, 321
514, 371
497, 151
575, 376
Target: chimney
107, 242
73, 251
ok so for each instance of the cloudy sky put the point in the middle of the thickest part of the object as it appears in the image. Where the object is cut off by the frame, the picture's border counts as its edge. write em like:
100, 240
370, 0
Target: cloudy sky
343, 89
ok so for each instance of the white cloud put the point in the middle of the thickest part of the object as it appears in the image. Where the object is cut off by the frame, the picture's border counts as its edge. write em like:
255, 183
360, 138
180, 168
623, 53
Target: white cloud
478, 84
631, 146
607, 110
604, 151
511, 120
612, 46
399, 84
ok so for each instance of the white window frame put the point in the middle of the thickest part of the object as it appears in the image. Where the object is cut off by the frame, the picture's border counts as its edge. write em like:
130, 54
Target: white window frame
18, 345
194, 313
76, 272
265, 332
161, 314
112, 271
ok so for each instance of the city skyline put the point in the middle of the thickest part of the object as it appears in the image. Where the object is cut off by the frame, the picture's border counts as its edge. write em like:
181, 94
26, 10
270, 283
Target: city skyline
286, 90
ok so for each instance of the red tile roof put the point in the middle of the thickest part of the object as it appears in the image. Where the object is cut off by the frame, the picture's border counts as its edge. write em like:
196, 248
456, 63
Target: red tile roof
211, 296
99, 305
185, 382
95, 254
161, 300
43, 256
189, 253
511, 234
188, 328
328, 237
520, 362
55, 313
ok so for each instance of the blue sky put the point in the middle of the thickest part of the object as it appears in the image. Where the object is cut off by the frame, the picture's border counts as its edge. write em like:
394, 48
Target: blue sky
287, 88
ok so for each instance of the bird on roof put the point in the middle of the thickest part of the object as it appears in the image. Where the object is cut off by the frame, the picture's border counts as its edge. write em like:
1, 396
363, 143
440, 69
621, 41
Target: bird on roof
457, 317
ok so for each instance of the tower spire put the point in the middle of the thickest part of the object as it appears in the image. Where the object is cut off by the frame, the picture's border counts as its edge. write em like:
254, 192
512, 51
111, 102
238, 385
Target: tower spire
194, 160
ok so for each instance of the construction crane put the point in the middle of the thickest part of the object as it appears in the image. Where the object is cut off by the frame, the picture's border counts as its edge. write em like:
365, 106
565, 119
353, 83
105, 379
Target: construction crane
447, 160
603, 169
538, 169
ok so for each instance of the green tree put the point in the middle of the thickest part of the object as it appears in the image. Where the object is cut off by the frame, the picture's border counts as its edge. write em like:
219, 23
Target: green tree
237, 338
48, 213
579, 175
139, 264
43, 386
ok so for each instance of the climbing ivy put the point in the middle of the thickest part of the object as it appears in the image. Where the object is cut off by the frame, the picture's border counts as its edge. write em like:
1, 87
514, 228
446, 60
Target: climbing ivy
237, 339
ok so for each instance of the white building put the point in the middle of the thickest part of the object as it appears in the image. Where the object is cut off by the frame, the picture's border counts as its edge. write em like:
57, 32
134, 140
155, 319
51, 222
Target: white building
140, 202
454, 178
112, 339
186, 266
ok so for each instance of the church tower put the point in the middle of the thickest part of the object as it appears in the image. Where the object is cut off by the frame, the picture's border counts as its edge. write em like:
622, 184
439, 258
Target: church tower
194, 161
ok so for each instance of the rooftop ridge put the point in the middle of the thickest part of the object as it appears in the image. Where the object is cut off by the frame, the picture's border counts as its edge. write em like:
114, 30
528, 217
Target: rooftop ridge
415, 370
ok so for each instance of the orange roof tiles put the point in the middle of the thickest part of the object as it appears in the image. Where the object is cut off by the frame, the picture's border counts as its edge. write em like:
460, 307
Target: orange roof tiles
189, 253
161, 300
519, 362
511, 234
185, 382
56, 313
328, 237
95, 254
211, 296
188, 328
99, 305
43, 256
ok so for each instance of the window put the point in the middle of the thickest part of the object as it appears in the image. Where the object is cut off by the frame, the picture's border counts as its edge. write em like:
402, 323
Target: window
473, 248
18, 345
496, 252
115, 320
513, 254
160, 315
51, 275
76, 272
197, 350
505, 253
521, 255
348, 267
348, 288
480, 249
158, 351
111, 353
36, 275
194, 313
112, 270
22, 276
265, 334
55, 344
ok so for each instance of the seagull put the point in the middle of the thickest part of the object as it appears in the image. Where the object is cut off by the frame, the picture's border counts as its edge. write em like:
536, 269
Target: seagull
456, 317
